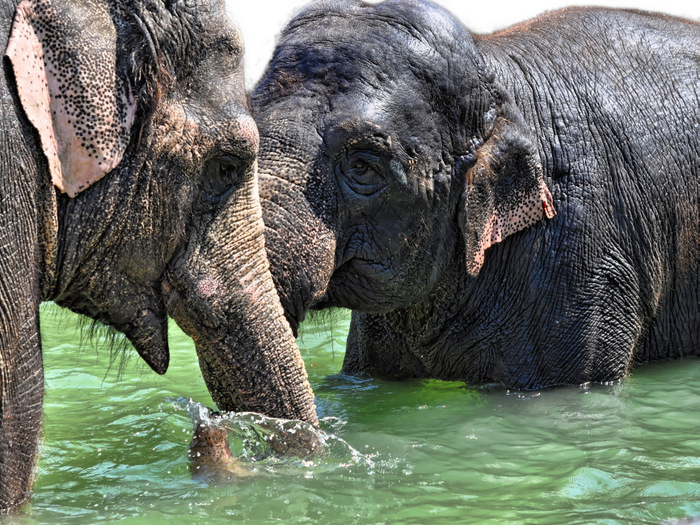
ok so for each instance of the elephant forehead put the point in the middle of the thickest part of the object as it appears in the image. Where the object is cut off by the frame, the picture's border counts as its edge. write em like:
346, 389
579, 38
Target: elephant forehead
369, 57
371, 47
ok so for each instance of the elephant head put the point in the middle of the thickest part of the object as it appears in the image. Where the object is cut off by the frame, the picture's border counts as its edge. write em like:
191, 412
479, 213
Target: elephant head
389, 160
135, 112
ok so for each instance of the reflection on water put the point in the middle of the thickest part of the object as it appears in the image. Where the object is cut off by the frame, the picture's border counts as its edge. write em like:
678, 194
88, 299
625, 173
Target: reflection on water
412, 452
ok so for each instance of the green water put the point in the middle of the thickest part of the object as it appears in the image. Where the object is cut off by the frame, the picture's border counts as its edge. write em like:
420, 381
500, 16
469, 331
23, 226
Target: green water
115, 447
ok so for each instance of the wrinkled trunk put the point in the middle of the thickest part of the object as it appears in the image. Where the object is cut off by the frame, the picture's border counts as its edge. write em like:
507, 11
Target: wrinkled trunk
221, 293
300, 248
299, 237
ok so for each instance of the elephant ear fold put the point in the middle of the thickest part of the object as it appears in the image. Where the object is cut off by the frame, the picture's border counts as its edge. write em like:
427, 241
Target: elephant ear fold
63, 55
504, 188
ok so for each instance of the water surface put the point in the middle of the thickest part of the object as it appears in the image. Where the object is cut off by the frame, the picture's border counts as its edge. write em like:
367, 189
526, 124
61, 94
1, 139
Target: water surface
116, 436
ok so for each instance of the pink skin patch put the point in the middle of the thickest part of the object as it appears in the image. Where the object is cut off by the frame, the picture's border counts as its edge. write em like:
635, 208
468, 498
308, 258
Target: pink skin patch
501, 225
251, 288
207, 287
253, 292
248, 131
82, 111
547, 202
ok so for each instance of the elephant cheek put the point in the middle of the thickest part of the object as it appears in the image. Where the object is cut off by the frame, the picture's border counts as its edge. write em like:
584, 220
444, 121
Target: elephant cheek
207, 287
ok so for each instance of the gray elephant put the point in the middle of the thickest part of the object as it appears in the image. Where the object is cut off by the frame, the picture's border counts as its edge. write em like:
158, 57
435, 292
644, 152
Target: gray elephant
519, 207
128, 192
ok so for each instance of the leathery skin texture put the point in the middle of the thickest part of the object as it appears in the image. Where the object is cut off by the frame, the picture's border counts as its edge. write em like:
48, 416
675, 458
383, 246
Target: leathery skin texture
128, 194
518, 207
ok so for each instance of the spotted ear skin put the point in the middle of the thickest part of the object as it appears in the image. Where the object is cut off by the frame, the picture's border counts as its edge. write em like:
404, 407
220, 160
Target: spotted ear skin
504, 190
64, 55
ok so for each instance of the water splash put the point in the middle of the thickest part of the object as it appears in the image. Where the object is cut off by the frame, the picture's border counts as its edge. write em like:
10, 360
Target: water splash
211, 460
254, 437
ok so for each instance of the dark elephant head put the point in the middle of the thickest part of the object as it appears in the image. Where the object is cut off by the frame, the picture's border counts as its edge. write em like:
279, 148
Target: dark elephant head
143, 122
388, 157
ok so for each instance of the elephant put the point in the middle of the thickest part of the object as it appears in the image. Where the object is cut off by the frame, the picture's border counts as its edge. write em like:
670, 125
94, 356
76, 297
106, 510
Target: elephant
517, 208
129, 194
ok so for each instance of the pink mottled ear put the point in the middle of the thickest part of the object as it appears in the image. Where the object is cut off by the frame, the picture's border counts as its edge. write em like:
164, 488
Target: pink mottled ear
504, 191
63, 54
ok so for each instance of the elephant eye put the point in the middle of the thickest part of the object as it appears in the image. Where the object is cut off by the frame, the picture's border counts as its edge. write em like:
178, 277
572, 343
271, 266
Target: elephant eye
219, 179
363, 173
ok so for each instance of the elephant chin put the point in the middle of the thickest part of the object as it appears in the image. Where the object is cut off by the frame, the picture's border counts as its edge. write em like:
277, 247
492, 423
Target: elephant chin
148, 332
141, 316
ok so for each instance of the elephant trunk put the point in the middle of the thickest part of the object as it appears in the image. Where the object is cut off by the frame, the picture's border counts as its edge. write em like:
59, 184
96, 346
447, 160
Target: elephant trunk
252, 362
221, 293
299, 236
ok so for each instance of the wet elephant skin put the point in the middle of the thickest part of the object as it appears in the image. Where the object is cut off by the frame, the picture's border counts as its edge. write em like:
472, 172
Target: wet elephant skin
128, 192
519, 207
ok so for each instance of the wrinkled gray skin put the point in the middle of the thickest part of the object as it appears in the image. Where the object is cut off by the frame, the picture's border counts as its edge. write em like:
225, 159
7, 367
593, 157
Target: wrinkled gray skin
174, 228
392, 139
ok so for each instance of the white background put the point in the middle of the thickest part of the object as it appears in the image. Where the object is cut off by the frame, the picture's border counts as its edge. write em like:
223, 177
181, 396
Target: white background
261, 21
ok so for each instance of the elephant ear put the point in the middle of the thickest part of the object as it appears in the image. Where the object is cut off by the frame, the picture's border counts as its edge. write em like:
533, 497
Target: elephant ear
504, 189
63, 53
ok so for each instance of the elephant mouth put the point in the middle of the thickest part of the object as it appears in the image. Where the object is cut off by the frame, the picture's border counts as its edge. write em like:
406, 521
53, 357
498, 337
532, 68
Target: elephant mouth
364, 269
359, 258
140, 315
360, 284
